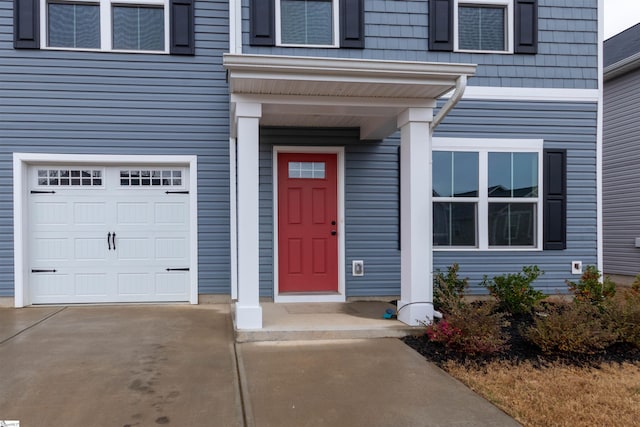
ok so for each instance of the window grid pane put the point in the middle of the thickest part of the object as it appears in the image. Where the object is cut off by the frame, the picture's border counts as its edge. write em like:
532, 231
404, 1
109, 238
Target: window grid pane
454, 224
512, 224
513, 175
73, 25
70, 177
455, 174
150, 177
306, 22
481, 28
138, 28
314, 170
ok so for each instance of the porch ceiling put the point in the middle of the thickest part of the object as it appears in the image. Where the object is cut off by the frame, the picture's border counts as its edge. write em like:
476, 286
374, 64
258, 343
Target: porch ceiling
330, 92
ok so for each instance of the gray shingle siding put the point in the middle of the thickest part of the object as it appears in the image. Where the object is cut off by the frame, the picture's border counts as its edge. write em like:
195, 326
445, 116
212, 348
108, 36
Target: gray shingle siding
371, 194
398, 30
621, 176
111, 103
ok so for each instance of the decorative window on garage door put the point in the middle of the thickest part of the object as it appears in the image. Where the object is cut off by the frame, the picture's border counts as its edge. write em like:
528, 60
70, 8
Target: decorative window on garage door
151, 177
59, 177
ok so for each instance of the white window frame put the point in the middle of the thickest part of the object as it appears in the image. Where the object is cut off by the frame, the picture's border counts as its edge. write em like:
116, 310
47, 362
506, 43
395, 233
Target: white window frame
336, 28
106, 24
483, 147
509, 30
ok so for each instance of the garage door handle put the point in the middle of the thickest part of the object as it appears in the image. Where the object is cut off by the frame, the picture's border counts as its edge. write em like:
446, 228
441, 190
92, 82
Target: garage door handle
38, 270
113, 240
109, 240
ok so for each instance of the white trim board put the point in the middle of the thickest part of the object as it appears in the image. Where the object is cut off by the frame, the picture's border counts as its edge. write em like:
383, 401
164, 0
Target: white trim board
491, 93
599, 139
21, 164
312, 297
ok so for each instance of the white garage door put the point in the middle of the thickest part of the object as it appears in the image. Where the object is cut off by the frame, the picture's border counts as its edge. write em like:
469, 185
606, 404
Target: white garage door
108, 234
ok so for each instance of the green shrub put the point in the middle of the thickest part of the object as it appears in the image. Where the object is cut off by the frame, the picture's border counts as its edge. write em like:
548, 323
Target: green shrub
624, 314
448, 289
514, 292
471, 329
591, 289
636, 283
573, 328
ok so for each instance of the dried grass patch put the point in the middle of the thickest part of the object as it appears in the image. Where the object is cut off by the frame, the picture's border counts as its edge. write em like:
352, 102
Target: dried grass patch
558, 395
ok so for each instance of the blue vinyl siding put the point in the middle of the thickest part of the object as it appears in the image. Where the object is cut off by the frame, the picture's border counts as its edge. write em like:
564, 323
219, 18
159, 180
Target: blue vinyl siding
371, 203
112, 103
398, 30
569, 126
371, 193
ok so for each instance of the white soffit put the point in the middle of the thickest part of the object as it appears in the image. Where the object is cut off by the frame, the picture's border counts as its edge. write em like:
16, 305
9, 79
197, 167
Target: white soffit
310, 91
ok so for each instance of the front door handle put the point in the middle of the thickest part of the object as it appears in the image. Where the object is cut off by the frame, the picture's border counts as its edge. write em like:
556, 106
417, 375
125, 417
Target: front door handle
334, 232
113, 240
109, 240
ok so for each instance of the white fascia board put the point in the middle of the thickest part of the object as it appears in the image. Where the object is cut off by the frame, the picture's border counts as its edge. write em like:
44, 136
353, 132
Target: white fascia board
332, 101
492, 93
263, 64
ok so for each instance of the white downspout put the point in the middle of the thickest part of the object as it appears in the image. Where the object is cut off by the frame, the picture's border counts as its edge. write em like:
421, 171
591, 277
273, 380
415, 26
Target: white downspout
461, 85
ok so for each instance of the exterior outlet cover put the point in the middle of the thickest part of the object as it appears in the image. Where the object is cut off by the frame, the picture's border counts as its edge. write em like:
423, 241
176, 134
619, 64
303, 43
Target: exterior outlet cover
576, 267
357, 268
637, 242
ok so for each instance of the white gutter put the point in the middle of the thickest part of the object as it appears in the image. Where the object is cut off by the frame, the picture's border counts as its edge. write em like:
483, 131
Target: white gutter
461, 84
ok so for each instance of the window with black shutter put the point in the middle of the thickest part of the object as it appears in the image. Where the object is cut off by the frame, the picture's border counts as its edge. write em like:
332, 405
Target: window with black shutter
130, 27
307, 23
483, 26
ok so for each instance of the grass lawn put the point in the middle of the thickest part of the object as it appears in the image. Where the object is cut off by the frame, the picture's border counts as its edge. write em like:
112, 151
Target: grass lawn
557, 394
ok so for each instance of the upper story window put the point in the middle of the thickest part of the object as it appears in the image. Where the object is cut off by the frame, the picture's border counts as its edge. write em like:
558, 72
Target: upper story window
487, 26
484, 25
123, 25
307, 22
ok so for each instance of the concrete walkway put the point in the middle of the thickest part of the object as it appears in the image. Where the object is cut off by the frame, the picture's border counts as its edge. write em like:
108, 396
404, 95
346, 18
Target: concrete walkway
177, 365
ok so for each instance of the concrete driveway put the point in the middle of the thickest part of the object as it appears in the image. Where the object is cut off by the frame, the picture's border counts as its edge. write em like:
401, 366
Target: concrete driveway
118, 366
149, 365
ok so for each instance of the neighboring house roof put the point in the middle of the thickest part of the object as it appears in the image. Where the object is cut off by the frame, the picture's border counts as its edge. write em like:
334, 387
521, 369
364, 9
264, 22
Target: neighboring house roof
622, 52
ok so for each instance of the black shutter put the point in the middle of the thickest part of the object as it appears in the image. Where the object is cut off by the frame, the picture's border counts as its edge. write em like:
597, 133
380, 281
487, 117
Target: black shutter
26, 24
262, 22
555, 199
526, 26
352, 23
441, 25
181, 25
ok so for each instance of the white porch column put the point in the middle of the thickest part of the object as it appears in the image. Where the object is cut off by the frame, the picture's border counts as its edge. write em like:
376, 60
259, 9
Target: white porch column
416, 298
248, 310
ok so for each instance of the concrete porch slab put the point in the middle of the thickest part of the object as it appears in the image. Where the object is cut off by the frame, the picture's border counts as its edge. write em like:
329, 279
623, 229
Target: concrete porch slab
326, 321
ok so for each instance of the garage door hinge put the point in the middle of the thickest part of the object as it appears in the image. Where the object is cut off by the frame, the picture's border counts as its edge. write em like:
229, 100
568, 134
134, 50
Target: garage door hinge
36, 270
42, 192
177, 269
176, 192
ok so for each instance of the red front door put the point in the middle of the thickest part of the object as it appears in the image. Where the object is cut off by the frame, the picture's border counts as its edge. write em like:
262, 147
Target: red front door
307, 223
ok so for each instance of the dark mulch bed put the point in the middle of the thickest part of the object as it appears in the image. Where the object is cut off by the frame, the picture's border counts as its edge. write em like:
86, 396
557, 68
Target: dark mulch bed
521, 350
